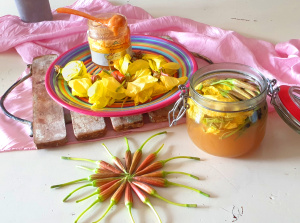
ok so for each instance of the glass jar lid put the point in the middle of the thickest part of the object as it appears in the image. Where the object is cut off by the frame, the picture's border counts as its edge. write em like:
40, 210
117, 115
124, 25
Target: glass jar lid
286, 101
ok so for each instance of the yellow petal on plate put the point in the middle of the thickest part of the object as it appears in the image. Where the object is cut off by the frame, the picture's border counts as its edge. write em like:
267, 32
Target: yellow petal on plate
155, 61
137, 65
182, 80
125, 64
171, 65
113, 88
100, 103
170, 68
152, 65
159, 88
104, 74
80, 86
140, 84
96, 91
169, 82
73, 70
143, 96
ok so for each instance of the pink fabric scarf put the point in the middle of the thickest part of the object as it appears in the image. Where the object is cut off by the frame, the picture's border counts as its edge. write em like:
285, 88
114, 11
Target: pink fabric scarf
280, 61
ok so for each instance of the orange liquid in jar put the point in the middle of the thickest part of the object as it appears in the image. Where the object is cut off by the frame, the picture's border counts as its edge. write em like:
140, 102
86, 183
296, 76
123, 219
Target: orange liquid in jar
234, 142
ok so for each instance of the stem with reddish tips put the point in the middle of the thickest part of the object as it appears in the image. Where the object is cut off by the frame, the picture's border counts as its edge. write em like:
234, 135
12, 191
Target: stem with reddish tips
98, 179
153, 192
128, 155
151, 157
159, 164
144, 199
129, 200
138, 154
100, 163
100, 182
104, 194
161, 182
163, 174
99, 189
114, 199
95, 170
115, 159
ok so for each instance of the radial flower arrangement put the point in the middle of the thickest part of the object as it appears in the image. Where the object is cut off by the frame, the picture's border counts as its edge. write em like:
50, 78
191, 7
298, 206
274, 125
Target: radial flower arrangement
114, 180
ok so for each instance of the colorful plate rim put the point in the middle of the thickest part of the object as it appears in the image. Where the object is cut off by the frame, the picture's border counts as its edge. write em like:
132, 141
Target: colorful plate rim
137, 41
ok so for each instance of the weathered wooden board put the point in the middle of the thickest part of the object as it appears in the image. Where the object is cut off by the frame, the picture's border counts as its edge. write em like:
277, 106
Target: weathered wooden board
48, 118
87, 127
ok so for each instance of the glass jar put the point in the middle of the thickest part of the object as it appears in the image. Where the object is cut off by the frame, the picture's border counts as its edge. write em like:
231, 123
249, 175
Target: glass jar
227, 129
232, 129
109, 42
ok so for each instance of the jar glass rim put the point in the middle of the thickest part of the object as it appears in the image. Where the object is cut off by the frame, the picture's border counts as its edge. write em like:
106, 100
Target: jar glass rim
232, 69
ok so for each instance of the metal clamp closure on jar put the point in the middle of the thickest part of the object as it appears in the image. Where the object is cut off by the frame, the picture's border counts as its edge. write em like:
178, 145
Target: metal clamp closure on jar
286, 101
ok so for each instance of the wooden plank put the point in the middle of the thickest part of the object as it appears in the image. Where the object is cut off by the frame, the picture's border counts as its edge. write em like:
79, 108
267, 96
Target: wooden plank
48, 118
160, 115
87, 127
127, 122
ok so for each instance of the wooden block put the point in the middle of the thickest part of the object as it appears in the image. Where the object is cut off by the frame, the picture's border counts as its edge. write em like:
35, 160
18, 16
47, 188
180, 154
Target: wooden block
127, 122
160, 115
87, 127
49, 128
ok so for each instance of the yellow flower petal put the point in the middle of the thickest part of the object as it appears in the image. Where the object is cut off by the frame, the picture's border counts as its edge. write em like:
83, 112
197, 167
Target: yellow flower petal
159, 88
143, 96
169, 82
73, 70
171, 65
137, 65
80, 86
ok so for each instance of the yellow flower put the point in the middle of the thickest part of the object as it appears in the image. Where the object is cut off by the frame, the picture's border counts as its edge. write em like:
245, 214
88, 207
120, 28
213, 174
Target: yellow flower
74, 70
80, 86
155, 61
137, 66
170, 68
171, 82
144, 81
104, 92
123, 64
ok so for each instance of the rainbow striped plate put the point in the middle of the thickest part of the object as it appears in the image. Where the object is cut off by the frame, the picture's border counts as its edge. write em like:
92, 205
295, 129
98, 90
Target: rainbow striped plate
61, 93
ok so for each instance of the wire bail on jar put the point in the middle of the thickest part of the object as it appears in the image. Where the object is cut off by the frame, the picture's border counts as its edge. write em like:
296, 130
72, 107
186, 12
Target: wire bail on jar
183, 97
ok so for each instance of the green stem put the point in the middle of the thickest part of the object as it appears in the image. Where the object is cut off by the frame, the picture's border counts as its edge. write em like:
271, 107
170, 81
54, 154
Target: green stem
79, 159
95, 202
178, 172
76, 190
160, 133
174, 203
68, 183
127, 144
191, 188
177, 157
152, 208
82, 199
86, 168
156, 152
107, 210
129, 206
112, 156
